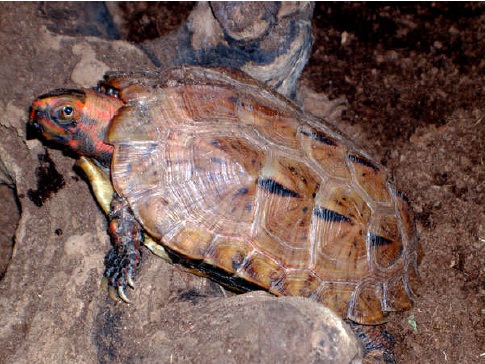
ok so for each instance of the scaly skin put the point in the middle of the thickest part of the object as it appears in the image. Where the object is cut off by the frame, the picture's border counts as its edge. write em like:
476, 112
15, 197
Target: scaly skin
122, 262
378, 343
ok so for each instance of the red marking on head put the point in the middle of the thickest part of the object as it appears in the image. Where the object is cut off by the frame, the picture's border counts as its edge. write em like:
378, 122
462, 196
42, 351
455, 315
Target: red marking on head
78, 119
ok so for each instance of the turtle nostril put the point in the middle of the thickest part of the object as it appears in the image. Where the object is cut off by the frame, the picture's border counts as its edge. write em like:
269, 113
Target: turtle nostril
39, 114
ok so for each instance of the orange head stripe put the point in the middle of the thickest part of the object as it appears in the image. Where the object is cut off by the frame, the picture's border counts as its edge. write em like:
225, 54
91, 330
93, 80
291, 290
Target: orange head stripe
98, 111
101, 107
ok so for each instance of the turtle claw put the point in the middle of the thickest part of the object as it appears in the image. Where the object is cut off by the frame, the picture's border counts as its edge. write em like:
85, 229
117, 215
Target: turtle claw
117, 294
130, 282
121, 294
121, 263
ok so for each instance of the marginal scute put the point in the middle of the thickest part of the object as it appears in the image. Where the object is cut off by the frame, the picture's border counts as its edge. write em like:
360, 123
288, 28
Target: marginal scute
412, 276
301, 283
372, 178
403, 210
134, 92
366, 304
395, 296
227, 253
260, 269
219, 169
192, 241
336, 296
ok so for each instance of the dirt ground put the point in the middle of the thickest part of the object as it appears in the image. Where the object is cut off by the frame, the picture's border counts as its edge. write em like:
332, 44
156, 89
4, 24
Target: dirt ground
412, 75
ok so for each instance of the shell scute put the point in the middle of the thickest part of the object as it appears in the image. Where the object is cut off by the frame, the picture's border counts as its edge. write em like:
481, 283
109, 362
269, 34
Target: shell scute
201, 103
290, 254
192, 238
285, 206
336, 295
271, 124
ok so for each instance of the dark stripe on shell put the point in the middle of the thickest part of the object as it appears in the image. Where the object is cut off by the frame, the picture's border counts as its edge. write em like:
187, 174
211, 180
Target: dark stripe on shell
235, 284
329, 215
401, 195
364, 162
319, 137
276, 188
377, 240
65, 92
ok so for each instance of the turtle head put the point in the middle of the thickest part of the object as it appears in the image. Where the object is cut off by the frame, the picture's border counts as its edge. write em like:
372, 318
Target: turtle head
77, 120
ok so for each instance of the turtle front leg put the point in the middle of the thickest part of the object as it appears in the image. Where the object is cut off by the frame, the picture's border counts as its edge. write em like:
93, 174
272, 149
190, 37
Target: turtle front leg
123, 260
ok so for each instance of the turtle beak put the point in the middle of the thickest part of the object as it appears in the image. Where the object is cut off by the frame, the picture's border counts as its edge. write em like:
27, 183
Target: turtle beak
36, 121
33, 127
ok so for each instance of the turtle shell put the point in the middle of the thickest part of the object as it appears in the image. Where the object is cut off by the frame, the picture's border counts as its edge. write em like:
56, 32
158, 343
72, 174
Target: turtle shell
228, 174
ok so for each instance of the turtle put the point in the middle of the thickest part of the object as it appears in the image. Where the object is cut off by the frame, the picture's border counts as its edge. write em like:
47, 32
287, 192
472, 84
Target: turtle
212, 169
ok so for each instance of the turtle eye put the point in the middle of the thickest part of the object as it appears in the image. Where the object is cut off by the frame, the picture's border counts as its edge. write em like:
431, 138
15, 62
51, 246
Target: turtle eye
67, 112
65, 115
